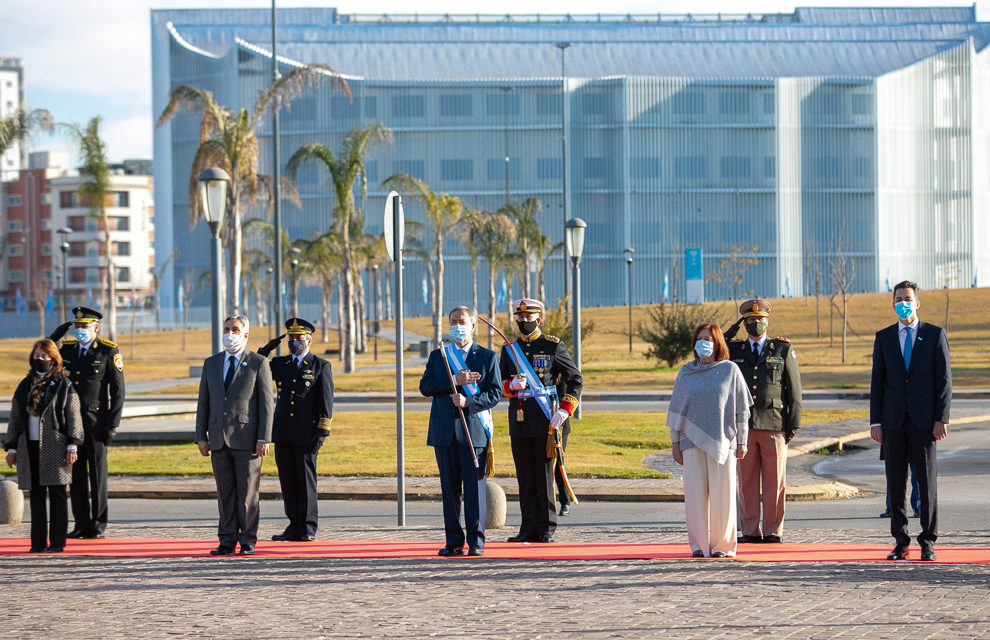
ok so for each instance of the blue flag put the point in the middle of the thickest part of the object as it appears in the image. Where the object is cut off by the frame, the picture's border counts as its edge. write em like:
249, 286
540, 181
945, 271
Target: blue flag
426, 291
976, 278
500, 297
887, 281
49, 301
19, 305
666, 289
89, 297
787, 286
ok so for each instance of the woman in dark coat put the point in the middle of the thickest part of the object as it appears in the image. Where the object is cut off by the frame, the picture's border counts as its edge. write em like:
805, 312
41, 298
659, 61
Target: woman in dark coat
43, 435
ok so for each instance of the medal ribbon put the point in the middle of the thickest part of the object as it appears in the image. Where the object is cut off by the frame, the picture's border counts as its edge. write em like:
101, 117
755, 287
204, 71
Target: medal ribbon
471, 389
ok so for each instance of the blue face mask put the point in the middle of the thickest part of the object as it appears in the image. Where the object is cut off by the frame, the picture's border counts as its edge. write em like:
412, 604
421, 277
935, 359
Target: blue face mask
297, 347
84, 336
904, 310
460, 332
704, 348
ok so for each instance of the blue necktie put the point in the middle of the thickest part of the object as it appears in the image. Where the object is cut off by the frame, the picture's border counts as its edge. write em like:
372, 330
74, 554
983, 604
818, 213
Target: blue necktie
907, 347
230, 373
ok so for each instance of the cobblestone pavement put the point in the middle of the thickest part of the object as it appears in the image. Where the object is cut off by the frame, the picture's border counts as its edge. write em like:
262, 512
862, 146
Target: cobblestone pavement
46, 596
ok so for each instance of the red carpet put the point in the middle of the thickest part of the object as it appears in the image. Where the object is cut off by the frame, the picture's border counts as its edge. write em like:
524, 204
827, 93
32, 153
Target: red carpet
166, 548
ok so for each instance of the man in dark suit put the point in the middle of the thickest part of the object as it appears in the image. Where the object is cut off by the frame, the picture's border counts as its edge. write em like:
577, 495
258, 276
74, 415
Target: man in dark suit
910, 392
233, 428
303, 414
96, 370
478, 390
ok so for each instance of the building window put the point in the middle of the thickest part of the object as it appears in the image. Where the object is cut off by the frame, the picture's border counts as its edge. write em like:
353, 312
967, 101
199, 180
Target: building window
733, 103
862, 168
496, 104
597, 168
16, 250
456, 170
828, 104
46, 224
371, 107
306, 176
92, 275
46, 249
15, 226
92, 224
123, 274
596, 103
826, 167
690, 167
414, 168
548, 104
46, 275
342, 107
15, 275
645, 167
548, 169
689, 103
734, 167
408, 106
77, 223
455, 105
93, 249
862, 104
769, 167
14, 200
121, 199
120, 223
121, 248
67, 199
371, 170
303, 109
769, 103
496, 169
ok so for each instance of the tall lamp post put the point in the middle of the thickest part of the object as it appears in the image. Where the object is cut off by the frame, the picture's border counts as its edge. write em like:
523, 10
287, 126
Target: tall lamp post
213, 183
563, 138
294, 263
574, 241
628, 255
271, 302
64, 232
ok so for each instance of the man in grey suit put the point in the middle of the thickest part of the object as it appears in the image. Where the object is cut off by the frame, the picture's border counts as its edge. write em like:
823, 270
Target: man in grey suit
234, 427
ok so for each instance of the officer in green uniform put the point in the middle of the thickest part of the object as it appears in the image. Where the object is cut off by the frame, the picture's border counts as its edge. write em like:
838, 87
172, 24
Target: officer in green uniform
770, 368
96, 370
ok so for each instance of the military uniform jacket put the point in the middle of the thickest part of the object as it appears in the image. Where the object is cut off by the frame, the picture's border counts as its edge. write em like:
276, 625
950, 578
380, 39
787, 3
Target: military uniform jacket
304, 406
775, 382
98, 380
554, 366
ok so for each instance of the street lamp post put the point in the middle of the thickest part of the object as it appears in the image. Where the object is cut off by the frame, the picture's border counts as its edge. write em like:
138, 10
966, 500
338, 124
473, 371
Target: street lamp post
574, 241
294, 263
505, 109
213, 183
271, 301
628, 254
64, 232
374, 292
563, 139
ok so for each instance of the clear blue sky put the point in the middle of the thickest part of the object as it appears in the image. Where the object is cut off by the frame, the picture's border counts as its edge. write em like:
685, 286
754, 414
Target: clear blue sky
93, 57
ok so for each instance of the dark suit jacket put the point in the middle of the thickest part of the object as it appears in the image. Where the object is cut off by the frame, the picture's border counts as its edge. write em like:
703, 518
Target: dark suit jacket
241, 415
923, 392
305, 399
444, 421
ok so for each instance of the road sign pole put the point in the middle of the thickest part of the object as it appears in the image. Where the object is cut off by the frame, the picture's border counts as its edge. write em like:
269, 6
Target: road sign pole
400, 471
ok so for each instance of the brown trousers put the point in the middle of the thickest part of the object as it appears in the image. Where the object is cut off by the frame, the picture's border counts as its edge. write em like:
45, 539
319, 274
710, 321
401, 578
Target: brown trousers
762, 474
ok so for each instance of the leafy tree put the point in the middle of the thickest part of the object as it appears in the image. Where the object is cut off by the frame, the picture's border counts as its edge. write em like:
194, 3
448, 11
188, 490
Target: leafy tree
490, 235
669, 328
345, 170
323, 261
228, 140
528, 236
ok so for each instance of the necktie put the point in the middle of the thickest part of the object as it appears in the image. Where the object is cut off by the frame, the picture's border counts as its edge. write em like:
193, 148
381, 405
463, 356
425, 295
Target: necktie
756, 349
82, 352
907, 347
298, 363
231, 365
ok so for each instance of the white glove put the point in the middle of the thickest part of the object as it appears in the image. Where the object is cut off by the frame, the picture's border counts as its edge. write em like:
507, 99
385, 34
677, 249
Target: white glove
518, 383
557, 421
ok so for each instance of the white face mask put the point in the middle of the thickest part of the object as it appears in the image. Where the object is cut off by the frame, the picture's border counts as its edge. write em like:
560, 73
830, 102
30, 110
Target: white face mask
233, 342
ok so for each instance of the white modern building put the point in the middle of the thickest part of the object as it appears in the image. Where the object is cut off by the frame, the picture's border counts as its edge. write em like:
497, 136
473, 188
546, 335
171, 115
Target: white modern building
11, 99
816, 136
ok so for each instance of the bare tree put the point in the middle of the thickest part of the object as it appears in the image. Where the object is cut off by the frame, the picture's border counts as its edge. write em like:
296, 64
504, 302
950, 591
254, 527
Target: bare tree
813, 276
732, 268
842, 270
950, 278
156, 282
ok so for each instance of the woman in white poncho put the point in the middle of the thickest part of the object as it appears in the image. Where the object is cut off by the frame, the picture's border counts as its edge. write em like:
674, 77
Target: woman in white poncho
708, 419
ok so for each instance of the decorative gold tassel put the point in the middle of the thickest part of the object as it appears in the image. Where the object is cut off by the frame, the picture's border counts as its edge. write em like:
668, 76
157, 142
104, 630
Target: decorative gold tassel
490, 458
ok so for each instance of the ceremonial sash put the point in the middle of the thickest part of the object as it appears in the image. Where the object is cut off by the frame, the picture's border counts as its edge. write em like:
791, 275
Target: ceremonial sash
536, 389
454, 356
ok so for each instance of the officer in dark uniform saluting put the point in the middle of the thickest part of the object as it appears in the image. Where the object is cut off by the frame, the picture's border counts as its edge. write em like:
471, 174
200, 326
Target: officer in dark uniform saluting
529, 426
303, 413
96, 370
770, 368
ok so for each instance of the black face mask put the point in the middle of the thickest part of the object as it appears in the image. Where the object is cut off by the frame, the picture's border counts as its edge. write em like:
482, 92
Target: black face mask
41, 366
526, 327
756, 329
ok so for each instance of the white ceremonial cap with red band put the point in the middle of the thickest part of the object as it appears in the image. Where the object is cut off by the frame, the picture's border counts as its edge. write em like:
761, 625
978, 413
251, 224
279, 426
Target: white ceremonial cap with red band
527, 305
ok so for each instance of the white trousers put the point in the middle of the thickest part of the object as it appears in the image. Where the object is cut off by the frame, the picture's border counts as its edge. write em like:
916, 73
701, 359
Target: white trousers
710, 502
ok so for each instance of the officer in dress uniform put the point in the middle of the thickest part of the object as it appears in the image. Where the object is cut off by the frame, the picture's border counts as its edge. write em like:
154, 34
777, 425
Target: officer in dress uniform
96, 370
771, 369
529, 426
303, 414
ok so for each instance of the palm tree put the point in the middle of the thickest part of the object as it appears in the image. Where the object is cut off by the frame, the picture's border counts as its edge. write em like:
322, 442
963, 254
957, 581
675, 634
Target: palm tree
491, 234
344, 171
97, 193
323, 260
229, 140
445, 214
18, 125
527, 234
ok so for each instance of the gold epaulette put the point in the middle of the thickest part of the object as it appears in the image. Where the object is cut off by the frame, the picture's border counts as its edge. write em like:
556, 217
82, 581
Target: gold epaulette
782, 339
69, 341
109, 343
550, 338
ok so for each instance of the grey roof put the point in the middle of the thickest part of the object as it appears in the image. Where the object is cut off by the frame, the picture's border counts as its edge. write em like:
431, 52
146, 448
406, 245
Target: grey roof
814, 42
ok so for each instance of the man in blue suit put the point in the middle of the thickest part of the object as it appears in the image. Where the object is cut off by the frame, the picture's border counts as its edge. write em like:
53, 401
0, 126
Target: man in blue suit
478, 390
910, 391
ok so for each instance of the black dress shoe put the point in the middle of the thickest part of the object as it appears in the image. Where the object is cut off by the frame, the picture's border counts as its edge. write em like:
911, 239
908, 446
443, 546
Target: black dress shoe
282, 537
564, 510
98, 535
60, 549
247, 549
749, 539
306, 538
719, 554
519, 537
698, 554
75, 533
448, 552
771, 539
885, 514
900, 552
545, 538
475, 550
222, 550
36, 550
927, 553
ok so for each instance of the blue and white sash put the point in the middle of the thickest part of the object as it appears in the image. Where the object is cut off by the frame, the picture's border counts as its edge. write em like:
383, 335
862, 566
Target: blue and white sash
536, 389
454, 356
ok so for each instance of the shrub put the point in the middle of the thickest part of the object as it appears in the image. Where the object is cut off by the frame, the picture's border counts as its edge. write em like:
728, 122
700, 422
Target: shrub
669, 328
557, 322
